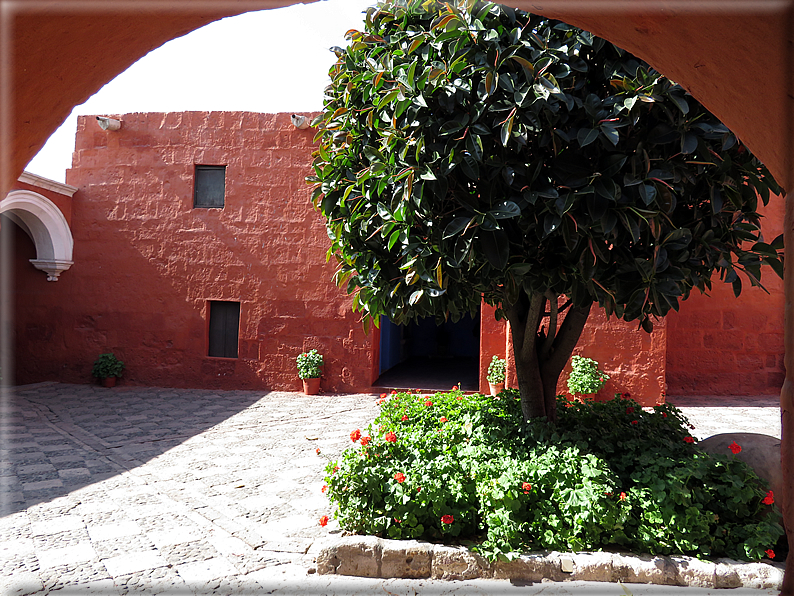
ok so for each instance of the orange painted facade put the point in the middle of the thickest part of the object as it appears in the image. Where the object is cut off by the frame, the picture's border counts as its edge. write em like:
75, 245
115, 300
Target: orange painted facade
147, 264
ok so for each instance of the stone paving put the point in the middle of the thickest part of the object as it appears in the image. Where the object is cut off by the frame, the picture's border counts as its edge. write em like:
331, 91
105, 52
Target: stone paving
162, 491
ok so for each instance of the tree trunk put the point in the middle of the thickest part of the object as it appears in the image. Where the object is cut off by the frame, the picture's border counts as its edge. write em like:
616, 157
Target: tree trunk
540, 357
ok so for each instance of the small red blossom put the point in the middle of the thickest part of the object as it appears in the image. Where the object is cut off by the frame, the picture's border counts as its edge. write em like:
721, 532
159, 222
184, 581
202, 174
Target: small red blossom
689, 439
608, 494
770, 553
769, 498
735, 448
622, 496
447, 519
399, 477
459, 398
383, 396
317, 451
442, 419
428, 403
629, 410
390, 437
324, 520
404, 418
365, 441
381, 401
664, 414
634, 422
454, 388
355, 435
335, 470
419, 489
526, 486
324, 488
397, 520
394, 392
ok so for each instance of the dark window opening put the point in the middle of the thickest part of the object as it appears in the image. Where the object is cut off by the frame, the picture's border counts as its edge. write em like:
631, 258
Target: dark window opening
224, 329
210, 186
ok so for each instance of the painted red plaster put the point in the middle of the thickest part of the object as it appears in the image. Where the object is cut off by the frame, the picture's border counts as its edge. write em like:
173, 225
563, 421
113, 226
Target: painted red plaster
723, 345
146, 262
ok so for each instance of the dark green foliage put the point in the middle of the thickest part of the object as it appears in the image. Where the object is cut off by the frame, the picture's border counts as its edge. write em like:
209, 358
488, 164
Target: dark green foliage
472, 148
608, 475
469, 150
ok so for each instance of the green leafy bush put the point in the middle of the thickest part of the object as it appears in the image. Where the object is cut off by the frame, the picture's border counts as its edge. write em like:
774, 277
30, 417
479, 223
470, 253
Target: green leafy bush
496, 370
309, 364
466, 468
585, 377
107, 365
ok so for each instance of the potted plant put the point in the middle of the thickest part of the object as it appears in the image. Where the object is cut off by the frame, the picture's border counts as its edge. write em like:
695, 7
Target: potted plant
107, 369
309, 364
585, 377
496, 375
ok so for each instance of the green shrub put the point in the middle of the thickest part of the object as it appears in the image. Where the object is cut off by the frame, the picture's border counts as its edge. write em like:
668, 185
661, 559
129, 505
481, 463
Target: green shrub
309, 364
455, 467
496, 370
107, 365
585, 377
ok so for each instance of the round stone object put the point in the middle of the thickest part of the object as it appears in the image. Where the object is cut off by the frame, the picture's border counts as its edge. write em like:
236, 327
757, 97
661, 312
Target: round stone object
760, 452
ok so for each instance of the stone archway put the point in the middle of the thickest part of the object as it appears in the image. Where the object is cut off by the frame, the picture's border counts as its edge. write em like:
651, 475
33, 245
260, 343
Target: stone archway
41, 219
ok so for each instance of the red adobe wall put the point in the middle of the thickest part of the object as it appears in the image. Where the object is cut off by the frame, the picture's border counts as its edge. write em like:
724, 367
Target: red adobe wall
62, 201
723, 345
146, 263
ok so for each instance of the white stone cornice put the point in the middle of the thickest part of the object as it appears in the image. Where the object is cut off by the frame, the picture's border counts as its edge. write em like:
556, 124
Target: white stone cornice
46, 183
53, 268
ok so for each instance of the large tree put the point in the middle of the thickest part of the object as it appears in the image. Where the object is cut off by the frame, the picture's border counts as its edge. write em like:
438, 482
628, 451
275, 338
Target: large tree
469, 150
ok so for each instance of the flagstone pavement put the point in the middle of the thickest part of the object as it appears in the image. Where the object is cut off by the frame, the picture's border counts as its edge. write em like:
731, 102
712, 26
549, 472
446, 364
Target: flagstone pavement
166, 491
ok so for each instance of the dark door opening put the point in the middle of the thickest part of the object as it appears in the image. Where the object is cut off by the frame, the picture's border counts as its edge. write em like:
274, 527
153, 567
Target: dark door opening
423, 355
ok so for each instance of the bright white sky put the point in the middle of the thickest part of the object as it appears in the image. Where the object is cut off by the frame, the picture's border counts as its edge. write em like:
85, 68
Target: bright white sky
268, 61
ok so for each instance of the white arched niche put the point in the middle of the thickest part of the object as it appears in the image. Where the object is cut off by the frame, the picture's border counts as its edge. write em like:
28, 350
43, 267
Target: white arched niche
47, 227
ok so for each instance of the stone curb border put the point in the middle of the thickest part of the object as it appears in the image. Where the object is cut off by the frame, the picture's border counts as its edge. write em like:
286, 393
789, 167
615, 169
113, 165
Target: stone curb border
369, 556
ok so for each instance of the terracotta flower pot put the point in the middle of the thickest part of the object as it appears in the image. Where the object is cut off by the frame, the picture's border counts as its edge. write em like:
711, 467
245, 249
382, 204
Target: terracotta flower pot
109, 382
496, 388
311, 386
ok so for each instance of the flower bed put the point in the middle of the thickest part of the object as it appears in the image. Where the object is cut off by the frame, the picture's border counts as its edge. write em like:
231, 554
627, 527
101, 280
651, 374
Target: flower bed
466, 468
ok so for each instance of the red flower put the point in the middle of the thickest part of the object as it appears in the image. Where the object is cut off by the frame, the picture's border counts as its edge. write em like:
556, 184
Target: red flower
770, 553
735, 448
325, 488
390, 437
608, 494
622, 496
459, 398
442, 419
527, 487
365, 441
689, 439
399, 477
664, 414
447, 519
634, 422
769, 498
335, 470
355, 435
324, 520
404, 418
419, 489
454, 388
394, 392
629, 410
381, 401
428, 403
318, 451
397, 520
383, 396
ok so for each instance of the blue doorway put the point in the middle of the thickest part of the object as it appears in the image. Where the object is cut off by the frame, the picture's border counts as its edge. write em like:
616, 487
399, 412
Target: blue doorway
423, 355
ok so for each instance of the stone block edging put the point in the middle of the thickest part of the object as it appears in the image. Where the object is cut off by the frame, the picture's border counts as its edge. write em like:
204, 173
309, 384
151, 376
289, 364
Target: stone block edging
369, 556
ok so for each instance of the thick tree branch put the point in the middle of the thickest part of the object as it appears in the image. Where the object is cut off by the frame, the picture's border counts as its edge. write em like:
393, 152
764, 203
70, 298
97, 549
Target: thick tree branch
552, 332
566, 339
